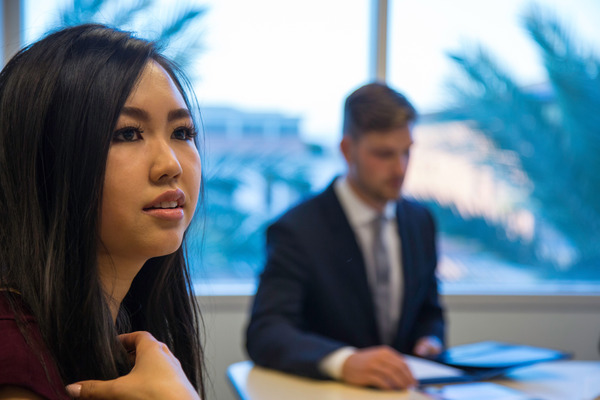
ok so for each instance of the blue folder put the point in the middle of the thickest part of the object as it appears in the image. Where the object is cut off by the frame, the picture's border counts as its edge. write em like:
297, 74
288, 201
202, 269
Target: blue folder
486, 360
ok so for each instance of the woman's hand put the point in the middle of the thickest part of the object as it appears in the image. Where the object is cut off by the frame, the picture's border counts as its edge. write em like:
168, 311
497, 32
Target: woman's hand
157, 374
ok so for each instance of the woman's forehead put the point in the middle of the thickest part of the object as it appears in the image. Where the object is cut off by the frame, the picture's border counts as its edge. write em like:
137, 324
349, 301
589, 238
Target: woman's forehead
155, 84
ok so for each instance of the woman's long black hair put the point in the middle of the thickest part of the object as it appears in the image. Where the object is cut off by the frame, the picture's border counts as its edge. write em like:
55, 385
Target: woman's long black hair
60, 99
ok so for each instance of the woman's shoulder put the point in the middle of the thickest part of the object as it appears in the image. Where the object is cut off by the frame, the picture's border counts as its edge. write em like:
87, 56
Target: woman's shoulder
25, 362
16, 392
10, 304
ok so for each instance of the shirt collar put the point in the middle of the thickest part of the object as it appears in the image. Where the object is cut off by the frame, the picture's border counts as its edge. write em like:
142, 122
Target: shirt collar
357, 211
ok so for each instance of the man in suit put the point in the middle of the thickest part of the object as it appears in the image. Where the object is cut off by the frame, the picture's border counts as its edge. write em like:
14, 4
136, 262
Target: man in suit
349, 283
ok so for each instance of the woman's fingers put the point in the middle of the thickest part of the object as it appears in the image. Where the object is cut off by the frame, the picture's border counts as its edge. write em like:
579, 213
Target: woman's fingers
156, 375
131, 340
92, 390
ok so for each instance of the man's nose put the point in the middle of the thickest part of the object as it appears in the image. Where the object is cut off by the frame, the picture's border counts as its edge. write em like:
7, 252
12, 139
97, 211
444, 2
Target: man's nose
401, 164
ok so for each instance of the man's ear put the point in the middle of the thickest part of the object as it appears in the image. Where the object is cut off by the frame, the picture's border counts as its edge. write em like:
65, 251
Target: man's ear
346, 147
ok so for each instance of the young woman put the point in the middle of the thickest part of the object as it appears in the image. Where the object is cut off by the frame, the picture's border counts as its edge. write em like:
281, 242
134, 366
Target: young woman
99, 179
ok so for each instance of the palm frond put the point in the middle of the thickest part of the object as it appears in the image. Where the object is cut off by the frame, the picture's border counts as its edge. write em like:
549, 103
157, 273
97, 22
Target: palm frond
81, 11
573, 73
125, 13
179, 34
555, 152
179, 23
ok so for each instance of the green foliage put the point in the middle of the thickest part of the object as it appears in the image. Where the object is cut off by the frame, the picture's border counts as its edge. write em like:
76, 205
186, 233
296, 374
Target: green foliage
555, 138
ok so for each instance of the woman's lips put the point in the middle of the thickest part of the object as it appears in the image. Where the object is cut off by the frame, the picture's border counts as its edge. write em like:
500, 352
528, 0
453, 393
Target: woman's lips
167, 206
175, 195
170, 214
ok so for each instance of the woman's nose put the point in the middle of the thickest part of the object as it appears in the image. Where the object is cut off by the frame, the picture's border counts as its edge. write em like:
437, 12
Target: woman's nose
165, 164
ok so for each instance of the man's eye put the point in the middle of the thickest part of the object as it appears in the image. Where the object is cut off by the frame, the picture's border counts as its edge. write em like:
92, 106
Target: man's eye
184, 133
128, 134
384, 154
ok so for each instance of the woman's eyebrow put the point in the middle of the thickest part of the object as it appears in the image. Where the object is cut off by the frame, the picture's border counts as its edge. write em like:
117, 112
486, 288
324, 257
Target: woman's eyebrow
178, 114
135, 112
143, 115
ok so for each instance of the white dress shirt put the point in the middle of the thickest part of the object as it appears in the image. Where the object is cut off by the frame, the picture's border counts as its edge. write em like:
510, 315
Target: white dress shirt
361, 216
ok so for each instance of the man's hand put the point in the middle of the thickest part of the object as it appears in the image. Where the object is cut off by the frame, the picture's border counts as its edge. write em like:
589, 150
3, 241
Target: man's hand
428, 346
157, 374
381, 367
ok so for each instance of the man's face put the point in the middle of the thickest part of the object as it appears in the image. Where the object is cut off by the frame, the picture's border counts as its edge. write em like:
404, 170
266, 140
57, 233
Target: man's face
377, 163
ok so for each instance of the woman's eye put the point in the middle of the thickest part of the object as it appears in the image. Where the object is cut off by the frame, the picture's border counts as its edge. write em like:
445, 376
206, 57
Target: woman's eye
184, 133
128, 134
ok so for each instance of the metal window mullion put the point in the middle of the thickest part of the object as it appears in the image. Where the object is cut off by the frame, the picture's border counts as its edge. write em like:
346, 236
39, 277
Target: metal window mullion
379, 36
12, 28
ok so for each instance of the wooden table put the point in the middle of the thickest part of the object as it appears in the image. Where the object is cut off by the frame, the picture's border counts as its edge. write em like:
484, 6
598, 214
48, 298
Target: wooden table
560, 380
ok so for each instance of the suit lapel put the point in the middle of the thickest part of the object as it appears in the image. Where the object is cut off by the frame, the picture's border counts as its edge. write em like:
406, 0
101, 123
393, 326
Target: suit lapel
348, 256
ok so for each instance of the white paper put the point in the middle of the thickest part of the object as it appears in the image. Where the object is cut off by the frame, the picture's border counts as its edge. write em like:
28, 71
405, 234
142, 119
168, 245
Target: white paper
425, 369
476, 391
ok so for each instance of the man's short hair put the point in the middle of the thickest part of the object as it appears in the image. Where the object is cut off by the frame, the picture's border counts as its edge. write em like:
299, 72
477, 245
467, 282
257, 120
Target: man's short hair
376, 107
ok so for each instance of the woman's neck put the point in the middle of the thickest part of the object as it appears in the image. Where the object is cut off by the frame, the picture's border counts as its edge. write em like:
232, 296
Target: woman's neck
116, 277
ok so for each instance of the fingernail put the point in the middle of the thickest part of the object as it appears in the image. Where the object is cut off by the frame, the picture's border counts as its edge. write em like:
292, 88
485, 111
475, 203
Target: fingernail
74, 389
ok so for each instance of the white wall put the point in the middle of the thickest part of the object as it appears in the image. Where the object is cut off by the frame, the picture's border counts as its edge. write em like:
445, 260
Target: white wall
570, 323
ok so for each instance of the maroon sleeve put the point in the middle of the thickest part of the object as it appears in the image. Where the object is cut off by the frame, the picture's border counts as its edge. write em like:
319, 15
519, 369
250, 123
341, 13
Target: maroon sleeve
26, 363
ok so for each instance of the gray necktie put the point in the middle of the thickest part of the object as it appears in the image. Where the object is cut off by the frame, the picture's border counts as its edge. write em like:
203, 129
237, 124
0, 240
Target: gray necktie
382, 281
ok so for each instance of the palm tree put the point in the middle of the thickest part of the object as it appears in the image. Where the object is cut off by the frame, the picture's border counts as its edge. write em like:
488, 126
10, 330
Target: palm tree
555, 139
176, 24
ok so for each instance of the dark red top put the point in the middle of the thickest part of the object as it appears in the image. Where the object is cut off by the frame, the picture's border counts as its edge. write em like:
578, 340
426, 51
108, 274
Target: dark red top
22, 361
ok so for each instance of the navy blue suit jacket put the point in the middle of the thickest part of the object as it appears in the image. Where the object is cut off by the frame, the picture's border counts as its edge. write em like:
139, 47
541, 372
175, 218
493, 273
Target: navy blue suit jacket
314, 298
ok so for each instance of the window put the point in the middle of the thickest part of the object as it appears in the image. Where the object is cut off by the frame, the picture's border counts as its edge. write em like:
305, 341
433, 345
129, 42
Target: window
505, 150
505, 146
273, 77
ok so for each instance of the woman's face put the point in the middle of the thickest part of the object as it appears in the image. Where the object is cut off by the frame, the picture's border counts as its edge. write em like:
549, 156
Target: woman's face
152, 173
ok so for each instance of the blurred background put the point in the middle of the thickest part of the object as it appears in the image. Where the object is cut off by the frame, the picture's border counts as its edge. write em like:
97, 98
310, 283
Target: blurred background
505, 148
